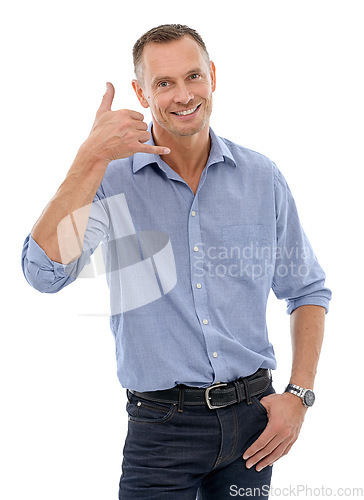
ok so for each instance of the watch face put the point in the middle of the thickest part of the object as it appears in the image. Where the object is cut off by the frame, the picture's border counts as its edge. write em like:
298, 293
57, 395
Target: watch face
309, 398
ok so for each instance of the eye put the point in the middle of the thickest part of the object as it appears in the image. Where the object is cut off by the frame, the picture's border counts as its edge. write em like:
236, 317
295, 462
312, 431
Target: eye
163, 84
195, 76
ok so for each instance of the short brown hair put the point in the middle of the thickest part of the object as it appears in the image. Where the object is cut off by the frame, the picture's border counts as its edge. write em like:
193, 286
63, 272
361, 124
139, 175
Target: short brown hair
163, 34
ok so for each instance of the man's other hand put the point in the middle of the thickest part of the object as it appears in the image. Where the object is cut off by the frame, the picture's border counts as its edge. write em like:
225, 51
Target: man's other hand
285, 418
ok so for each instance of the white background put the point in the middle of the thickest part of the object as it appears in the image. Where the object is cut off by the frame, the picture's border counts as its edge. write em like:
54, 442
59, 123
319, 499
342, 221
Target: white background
290, 85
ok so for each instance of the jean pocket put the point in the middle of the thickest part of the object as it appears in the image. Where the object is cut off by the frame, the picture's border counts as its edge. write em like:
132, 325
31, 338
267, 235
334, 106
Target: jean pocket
256, 399
149, 412
247, 252
259, 405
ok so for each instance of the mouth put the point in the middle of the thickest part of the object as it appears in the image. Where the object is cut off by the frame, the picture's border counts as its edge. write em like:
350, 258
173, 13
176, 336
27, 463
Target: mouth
186, 112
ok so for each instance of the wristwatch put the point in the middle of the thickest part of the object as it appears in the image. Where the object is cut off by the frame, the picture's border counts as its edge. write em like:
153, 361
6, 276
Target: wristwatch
307, 395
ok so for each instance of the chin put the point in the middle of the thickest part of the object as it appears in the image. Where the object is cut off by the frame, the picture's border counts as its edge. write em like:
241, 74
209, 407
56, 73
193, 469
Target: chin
186, 130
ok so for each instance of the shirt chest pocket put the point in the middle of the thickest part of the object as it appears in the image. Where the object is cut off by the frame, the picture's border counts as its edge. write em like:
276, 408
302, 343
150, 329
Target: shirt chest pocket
247, 252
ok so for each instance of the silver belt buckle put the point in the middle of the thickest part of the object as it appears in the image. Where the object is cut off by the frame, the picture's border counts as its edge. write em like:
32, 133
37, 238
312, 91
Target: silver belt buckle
207, 396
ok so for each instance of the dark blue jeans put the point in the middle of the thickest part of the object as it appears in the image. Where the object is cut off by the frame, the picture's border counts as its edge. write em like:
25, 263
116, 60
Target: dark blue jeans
196, 453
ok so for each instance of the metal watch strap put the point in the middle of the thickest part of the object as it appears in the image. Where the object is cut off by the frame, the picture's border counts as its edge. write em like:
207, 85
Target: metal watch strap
296, 389
301, 392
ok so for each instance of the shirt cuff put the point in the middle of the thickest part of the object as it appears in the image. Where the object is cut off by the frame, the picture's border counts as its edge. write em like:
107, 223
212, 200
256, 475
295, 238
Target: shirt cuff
37, 255
307, 301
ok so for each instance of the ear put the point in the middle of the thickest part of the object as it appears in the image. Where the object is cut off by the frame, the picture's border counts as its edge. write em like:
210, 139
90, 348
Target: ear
213, 76
140, 93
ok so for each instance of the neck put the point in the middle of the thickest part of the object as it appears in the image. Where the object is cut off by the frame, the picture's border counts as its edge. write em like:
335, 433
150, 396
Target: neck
188, 155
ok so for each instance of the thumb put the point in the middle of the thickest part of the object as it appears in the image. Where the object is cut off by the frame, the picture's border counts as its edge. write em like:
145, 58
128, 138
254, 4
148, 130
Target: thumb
107, 99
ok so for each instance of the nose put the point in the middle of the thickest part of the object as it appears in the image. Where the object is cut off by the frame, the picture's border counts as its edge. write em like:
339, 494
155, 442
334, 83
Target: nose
182, 94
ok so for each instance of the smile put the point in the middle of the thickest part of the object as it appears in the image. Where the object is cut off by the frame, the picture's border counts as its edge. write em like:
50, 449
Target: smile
186, 112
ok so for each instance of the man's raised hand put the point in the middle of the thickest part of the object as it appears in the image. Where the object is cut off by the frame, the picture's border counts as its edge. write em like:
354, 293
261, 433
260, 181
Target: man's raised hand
119, 134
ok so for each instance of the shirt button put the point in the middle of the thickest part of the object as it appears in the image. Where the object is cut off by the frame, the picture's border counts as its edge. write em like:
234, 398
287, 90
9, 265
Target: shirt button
215, 354
205, 321
193, 213
198, 285
195, 248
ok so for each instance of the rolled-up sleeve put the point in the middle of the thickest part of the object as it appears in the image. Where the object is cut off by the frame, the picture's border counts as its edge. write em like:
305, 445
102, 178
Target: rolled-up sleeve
298, 277
50, 276
40, 271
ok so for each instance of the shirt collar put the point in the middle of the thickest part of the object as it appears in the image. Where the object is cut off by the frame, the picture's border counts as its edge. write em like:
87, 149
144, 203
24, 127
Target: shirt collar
219, 152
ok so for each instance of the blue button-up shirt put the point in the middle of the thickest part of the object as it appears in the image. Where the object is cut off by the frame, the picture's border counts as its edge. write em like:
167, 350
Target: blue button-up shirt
189, 275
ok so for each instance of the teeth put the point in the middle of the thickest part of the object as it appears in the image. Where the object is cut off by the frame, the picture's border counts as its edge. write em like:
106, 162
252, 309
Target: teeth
188, 112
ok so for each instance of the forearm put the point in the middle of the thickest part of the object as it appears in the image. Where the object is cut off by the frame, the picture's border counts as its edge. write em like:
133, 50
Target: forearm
307, 330
78, 190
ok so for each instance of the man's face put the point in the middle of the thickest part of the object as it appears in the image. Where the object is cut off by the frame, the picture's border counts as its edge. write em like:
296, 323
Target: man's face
178, 86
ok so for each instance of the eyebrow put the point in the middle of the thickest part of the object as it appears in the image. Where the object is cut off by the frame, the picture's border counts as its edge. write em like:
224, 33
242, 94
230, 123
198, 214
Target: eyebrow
158, 78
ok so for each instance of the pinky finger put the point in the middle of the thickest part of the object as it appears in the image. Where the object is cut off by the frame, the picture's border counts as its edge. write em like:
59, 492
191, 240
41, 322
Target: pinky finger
156, 150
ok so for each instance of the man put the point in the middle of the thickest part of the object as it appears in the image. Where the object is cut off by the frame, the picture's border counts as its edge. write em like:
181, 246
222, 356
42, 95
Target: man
196, 231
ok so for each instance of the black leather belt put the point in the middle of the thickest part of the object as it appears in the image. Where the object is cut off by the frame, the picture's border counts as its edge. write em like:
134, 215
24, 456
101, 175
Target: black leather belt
215, 396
